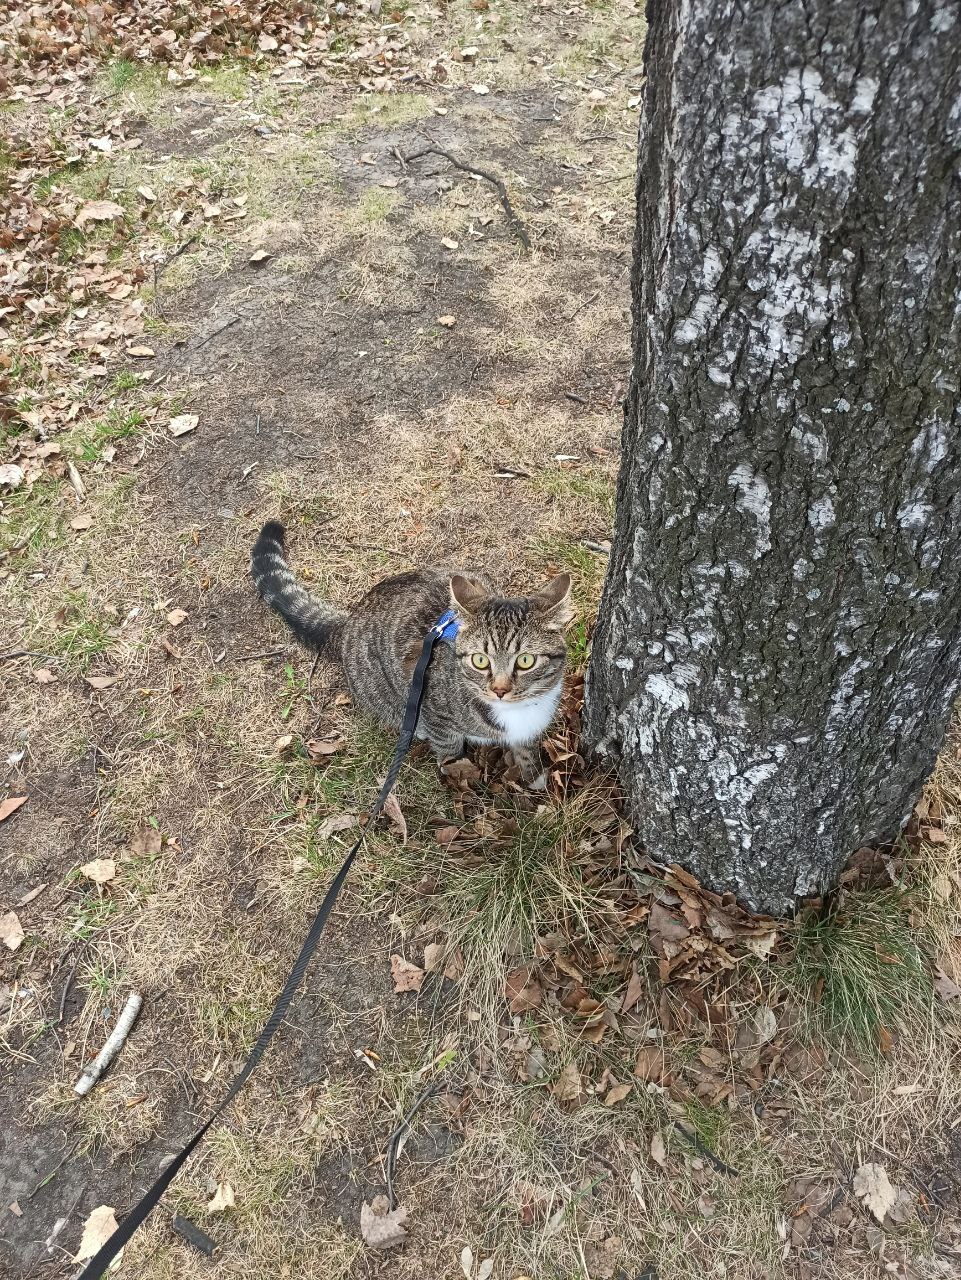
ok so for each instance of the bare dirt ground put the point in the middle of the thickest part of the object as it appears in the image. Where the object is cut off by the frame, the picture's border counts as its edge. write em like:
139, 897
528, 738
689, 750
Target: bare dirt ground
633, 1079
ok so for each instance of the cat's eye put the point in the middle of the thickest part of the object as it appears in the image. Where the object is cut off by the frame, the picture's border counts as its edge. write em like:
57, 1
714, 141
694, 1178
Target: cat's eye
525, 661
480, 661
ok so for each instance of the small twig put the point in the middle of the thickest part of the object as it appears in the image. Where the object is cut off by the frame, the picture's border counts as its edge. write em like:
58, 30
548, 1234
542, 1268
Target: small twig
570, 395
601, 137
214, 332
158, 272
66, 992
56, 1169
61, 1222
372, 546
580, 307
706, 1151
518, 227
26, 653
310, 675
115, 1040
401, 1130
267, 653
596, 1155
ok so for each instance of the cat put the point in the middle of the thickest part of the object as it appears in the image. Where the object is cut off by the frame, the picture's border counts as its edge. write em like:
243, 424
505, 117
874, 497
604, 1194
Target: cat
499, 682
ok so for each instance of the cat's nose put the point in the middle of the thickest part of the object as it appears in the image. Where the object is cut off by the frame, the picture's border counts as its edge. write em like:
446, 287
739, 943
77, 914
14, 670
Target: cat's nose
500, 685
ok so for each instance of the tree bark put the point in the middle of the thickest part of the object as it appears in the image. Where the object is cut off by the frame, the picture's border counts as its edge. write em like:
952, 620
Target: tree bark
779, 641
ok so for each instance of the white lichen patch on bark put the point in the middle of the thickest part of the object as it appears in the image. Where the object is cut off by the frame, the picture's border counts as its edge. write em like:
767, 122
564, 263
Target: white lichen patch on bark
754, 499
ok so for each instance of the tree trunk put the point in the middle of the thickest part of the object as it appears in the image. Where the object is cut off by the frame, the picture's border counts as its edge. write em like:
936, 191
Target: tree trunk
779, 642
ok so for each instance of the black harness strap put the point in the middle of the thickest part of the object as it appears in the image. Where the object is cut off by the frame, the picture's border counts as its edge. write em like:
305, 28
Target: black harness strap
142, 1210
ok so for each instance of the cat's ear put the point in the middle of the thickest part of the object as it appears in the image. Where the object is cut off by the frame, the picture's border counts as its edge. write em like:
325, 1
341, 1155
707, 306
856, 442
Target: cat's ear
466, 594
553, 602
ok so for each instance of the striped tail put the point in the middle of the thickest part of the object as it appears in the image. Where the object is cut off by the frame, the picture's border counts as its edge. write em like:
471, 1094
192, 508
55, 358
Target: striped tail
315, 624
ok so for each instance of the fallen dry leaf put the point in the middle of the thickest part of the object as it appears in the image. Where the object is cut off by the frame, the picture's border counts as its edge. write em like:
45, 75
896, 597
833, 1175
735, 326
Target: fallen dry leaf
183, 423
447, 322
147, 193
336, 822
283, 743
258, 257
756, 1028
450, 243
873, 1188
222, 1199
393, 814
146, 842
97, 1230
462, 773
407, 976
650, 1064
658, 1149
29, 897
10, 805
522, 991
324, 748
479, 88
98, 211
11, 931
83, 521
381, 1226
177, 616
141, 352
617, 1093
43, 675
762, 944
11, 475
945, 988
102, 682
569, 1085
100, 870
662, 923
635, 989
437, 959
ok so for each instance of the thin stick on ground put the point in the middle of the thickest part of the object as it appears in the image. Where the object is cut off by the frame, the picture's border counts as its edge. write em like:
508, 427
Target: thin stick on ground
66, 991
704, 1150
393, 1145
265, 653
516, 225
115, 1040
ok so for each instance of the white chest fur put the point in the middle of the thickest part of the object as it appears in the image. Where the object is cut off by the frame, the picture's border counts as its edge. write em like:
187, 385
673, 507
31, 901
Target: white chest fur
523, 722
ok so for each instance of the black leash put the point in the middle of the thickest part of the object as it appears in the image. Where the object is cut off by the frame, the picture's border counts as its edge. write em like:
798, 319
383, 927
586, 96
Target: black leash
445, 628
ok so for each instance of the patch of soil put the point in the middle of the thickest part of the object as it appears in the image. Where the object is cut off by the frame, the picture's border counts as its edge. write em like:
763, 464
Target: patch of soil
294, 370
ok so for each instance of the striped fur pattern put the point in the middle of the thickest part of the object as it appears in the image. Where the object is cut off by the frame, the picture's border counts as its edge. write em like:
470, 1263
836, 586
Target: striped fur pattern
499, 682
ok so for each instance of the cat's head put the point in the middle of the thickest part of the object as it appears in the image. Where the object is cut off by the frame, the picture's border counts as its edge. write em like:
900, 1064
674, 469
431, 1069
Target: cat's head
511, 649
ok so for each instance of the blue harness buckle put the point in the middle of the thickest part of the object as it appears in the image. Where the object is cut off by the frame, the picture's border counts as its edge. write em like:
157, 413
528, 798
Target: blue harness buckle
446, 626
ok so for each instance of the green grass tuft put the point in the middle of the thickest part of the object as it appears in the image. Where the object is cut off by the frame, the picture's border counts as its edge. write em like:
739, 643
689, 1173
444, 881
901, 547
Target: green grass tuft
88, 441
864, 962
81, 637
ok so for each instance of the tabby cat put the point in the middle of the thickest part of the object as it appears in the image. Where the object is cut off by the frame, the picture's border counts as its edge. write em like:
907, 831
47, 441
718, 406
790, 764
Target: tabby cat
498, 682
